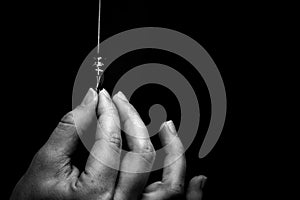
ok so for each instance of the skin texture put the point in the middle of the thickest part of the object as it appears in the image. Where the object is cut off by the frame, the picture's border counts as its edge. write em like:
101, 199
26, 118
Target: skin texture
51, 174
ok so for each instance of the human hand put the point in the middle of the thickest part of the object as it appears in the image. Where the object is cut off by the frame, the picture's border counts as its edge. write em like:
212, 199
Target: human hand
172, 184
52, 176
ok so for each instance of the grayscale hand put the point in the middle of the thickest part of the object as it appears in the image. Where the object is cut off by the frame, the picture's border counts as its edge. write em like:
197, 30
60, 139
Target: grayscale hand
52, 176
172, 184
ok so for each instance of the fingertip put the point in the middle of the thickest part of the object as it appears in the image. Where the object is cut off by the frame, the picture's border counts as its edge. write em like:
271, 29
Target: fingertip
194, 190
203, 181
90, 97
168, 127
120, 99
104, 92
121, 96
198, 182
162, 126
105, 102
167, 132
107, 112
171, 127
126, 110
115, 96
83, 114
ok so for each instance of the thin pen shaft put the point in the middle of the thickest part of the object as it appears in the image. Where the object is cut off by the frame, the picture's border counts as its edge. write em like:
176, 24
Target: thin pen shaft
100, 83
99, 26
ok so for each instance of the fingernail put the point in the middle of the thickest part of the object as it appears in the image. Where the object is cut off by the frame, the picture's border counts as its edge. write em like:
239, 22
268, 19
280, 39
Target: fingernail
203, 181
162, 126
89, 97
105, 93
122, 96
171, 127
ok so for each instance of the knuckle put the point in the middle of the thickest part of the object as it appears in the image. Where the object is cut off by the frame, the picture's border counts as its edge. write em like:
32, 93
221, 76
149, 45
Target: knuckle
66, 124
147, 147
115, 139
178, 151
91, 187
150, 157
175, 148
148, 153
177, 189
110, 133
68, 119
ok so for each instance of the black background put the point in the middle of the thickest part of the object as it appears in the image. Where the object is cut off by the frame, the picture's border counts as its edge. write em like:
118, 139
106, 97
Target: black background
48, 41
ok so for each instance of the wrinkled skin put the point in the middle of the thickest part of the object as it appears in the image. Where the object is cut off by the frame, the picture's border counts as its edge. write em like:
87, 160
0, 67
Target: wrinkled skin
52, 176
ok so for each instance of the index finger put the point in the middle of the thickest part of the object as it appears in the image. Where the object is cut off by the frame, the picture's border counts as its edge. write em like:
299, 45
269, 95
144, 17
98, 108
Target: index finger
103, 163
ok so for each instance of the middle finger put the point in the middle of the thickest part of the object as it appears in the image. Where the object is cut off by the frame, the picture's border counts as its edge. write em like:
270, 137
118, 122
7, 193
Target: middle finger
137, 163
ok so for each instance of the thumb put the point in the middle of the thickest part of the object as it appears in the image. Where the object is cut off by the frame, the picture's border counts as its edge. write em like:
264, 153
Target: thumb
64, 138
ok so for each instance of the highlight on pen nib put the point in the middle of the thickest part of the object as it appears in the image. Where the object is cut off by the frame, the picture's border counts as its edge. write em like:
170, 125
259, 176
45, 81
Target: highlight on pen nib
98, 65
